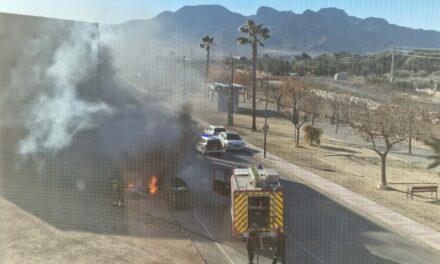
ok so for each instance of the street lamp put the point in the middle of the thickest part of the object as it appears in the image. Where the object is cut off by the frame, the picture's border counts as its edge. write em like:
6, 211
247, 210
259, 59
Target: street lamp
184, 78
231, 95
266, 126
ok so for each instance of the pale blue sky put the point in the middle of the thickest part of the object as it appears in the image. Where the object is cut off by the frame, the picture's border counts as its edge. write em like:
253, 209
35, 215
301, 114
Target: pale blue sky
412, 13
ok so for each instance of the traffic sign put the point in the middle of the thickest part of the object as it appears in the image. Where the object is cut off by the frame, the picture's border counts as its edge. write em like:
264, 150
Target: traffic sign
266, 127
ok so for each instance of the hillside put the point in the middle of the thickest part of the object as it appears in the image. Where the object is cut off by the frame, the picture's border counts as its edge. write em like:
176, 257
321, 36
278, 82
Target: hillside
326, 30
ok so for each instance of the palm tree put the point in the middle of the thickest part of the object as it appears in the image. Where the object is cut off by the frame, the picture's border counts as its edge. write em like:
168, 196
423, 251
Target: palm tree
434, 143
207, 43
252, 32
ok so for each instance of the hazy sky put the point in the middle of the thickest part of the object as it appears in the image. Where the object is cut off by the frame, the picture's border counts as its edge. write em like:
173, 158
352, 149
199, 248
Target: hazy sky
412, 13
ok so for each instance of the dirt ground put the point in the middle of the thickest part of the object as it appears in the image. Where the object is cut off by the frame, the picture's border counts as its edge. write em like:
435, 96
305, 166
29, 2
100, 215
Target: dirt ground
25, 238
355, 168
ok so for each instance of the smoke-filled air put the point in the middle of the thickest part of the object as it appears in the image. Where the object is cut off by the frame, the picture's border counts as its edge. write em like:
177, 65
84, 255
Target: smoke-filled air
72, 122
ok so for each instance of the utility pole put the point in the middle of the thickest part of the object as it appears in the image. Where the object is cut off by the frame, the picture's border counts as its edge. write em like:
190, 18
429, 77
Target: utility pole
184, 77
329, 61
266, 126
231, 95
392, 67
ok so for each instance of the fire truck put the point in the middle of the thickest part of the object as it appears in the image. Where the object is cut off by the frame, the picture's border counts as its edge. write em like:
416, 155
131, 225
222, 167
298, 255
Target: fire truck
257, 199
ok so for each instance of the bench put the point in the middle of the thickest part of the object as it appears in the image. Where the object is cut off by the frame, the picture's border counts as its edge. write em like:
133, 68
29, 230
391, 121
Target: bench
418, 189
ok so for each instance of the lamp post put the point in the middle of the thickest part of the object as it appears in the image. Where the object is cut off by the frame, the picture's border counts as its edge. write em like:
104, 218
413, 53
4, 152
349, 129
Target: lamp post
184, 78
231, 95
266, 126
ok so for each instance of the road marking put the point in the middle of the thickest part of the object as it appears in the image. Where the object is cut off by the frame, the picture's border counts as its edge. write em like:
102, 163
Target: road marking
212, 237
305, 249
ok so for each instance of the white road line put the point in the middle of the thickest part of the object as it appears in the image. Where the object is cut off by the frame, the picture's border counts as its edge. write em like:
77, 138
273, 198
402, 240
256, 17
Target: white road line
305, 249
212, 237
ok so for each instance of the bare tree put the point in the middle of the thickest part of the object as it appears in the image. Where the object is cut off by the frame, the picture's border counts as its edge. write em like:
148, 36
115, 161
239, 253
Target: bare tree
277, 96
294, 91
243, 78
313, 105
342, 108
334, 104
417, 118
383, 125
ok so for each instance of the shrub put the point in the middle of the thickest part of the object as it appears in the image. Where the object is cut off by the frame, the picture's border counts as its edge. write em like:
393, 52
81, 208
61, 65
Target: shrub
402, 73
312, 134
422, 73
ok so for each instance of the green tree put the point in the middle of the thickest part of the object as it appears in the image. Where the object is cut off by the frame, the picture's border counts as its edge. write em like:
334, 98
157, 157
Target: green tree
434, 143
207, 43
252, 34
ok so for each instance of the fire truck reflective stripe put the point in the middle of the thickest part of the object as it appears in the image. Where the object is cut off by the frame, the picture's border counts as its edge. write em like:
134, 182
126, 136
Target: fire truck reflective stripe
279, 222
241, 224
242, 227
279, 209
240, 212
240, 202
279, 197
272, 210
258, 193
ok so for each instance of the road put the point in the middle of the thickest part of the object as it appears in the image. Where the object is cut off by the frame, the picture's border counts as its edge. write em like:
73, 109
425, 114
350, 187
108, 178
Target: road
318, 229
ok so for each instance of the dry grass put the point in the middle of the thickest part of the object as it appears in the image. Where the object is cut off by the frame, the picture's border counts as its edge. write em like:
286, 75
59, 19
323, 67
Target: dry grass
354, 168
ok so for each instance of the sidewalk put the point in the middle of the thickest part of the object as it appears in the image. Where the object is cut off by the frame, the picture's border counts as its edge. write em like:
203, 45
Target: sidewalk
395, 221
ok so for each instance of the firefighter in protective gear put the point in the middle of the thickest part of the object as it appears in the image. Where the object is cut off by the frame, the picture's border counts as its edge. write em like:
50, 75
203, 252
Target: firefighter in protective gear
277, 247
118, 188
252, 242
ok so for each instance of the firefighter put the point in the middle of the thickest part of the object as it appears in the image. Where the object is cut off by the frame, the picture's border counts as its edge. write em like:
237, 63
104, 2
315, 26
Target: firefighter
277, 247
118, 188
252, 242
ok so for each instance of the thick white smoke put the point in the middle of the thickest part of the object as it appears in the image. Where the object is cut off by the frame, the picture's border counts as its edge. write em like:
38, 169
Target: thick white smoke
58, 113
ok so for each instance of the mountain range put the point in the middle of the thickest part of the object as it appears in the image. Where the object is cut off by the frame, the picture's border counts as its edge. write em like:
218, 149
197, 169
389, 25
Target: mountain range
328, 30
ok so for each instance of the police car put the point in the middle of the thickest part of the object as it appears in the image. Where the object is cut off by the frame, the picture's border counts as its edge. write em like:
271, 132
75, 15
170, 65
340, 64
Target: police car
209, 145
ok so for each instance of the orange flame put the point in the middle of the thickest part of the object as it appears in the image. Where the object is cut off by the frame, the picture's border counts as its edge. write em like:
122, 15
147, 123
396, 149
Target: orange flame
152, 185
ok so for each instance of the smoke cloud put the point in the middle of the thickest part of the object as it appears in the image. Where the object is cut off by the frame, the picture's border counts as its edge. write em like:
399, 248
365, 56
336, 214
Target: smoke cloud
58, 113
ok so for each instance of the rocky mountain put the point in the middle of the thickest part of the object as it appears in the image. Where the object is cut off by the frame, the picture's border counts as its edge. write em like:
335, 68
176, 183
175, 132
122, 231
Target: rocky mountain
326, 30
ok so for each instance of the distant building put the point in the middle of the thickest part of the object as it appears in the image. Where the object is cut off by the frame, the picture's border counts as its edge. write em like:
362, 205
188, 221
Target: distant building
218, 94
340, 76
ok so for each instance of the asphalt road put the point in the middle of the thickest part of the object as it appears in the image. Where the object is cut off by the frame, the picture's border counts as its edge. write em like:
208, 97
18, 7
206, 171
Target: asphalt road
318, 229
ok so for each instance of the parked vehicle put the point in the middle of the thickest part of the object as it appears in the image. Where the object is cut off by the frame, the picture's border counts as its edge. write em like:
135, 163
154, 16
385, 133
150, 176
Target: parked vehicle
209, 145
231, 141
213, 130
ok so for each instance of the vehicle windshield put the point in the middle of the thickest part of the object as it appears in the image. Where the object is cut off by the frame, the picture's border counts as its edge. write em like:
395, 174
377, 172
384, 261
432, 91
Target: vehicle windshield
219, 129
233, 137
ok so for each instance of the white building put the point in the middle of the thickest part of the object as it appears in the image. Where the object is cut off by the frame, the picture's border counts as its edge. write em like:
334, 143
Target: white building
218, 94
341, 76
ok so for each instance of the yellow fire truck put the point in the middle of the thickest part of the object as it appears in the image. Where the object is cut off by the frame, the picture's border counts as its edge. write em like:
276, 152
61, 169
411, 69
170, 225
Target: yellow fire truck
257, 199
